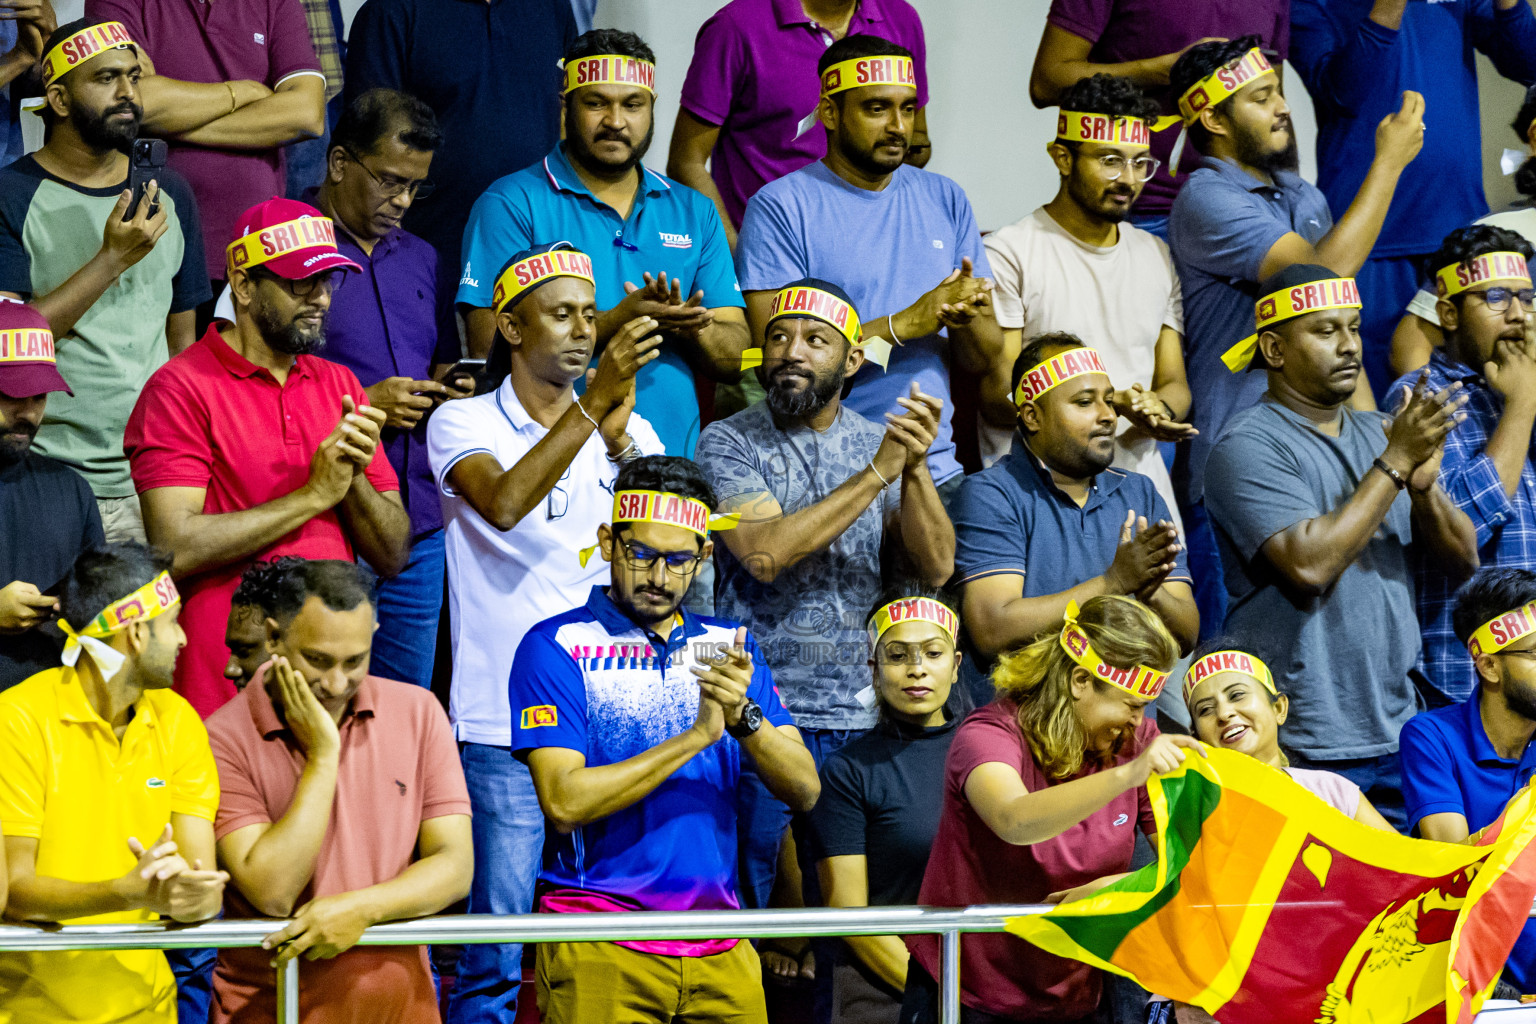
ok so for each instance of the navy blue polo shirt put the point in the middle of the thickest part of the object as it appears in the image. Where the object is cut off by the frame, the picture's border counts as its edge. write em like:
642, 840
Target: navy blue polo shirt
670, 228
1450, 767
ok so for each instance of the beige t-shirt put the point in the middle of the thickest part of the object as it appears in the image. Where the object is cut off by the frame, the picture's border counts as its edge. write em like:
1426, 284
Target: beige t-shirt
1117, 299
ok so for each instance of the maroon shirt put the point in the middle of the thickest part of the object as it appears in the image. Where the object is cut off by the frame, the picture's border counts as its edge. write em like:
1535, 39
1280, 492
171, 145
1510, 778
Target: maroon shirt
223, 40
1000, 973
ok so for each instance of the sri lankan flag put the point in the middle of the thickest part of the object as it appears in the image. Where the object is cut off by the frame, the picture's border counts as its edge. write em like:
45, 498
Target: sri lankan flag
1266, 906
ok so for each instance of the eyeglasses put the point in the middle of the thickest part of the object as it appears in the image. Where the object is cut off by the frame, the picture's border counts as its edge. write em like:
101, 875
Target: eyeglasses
392, 187
679, 563
558, 502
1497, 299
1143, 167
303, 287
1519, 654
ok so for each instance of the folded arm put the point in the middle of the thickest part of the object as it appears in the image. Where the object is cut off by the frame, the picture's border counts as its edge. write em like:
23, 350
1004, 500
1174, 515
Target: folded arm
294, 111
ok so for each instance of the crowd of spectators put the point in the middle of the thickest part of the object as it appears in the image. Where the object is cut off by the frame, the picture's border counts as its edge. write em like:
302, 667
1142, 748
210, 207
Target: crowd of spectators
794, 544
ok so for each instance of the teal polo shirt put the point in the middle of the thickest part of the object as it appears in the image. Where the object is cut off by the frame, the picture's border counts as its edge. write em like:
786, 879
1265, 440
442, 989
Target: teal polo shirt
671, 228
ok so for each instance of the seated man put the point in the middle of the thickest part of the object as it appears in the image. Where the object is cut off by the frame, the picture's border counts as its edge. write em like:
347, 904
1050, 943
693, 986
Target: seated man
107, 793
1463, 763
632, 769
1485, 309
246, 632
52, 499
1052, 522
343, 806
1308, 499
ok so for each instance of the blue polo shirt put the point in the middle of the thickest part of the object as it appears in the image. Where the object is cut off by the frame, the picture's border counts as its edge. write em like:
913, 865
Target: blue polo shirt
1450, 767
670, 228
593, 681
1224, 223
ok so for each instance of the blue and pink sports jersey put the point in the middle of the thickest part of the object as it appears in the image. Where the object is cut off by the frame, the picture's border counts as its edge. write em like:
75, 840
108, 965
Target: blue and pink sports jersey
592, 681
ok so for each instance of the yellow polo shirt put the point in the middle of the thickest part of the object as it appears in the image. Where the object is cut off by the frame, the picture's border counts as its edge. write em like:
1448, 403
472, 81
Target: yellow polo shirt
66, 781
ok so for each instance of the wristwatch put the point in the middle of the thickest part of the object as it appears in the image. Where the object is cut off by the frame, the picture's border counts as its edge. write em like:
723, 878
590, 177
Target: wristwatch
751, 721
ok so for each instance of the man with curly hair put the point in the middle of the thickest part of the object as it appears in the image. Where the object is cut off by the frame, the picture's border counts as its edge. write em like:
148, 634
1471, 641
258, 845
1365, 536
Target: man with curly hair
1078, 265
246, 632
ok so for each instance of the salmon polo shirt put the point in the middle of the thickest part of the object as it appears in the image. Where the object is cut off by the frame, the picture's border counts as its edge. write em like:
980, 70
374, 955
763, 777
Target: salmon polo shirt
212, 419
68, 782
399, 766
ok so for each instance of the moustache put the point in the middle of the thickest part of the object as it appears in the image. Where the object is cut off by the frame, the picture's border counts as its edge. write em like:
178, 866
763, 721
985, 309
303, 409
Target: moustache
26, 427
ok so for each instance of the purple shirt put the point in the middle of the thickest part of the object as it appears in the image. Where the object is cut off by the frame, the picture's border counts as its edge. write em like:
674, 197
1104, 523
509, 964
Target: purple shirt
194, 41
754, 75
1126, 30
388, 322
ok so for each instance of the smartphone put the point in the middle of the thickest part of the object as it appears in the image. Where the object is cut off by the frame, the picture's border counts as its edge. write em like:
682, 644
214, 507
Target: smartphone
145, 164
465, 368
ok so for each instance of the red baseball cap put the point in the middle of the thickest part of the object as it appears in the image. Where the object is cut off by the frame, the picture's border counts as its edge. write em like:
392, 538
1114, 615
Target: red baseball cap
28, 366
289, 238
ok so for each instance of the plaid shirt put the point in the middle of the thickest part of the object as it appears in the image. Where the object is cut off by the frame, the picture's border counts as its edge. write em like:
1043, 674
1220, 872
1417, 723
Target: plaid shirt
322, 34
1506, 526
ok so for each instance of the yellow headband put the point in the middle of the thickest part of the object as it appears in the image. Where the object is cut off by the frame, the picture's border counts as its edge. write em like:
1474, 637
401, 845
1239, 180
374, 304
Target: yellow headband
1074, 362
1115, 131
527, 274
1492, 266
1494, 636
1139, 681
27, 345
1223, 82
610, 69
268, 244
804, 301
668, 509
87, 44
862, 71
913, 609
1332, 293
1228, 661
153, 599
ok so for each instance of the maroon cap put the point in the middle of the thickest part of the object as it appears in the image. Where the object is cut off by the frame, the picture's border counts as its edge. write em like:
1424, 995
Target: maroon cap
289, 238
28, 366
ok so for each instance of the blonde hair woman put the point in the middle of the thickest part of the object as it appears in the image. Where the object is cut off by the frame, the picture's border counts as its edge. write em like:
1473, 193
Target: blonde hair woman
1042, 790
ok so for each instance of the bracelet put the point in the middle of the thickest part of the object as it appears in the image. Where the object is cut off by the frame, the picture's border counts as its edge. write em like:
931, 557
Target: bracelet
630, 453
1392, 474
232, 103
586, 415
890, 321
875, 470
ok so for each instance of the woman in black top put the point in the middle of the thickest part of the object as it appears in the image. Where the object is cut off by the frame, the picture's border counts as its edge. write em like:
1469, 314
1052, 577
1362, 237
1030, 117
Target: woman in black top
880, 795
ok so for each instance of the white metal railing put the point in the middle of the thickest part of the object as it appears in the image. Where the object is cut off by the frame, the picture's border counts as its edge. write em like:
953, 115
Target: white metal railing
469, 929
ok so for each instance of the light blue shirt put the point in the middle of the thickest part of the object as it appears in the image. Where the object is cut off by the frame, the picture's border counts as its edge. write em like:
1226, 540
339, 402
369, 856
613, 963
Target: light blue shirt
885, 249
671, 228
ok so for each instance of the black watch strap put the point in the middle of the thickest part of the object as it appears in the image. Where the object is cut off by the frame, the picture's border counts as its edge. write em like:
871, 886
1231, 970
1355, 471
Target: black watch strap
1392, 474
751, 720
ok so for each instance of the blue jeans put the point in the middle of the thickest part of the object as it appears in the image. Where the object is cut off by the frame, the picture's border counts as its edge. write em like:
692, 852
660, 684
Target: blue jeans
1380, 779
405, 645
193, 970
508, 832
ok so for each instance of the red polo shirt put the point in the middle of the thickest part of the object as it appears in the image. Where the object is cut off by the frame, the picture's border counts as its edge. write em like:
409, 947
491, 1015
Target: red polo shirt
211, 418
398, 767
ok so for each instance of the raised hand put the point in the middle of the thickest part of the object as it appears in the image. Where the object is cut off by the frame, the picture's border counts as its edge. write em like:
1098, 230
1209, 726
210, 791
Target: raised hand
611, 384
125, 242
662, 300
405, 400
1423, 420
1144, 557
1400, 135
312, 726
725, 678
23, 606
1146, 410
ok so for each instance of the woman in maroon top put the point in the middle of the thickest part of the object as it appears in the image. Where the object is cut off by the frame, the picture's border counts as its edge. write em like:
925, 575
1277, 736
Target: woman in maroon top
1042, 789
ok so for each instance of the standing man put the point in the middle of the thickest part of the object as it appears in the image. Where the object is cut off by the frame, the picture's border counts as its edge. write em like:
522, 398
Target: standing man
820, 490
343, 807
659, 248
1485, 299
1315, 507
526, 474
248, 445
486, 69
748, 113
1142, 42
1356, 57
119, 294
51, 504
1463, 763
392, 327
636, 761
234, 160
107, 794
1077, 266
829, 219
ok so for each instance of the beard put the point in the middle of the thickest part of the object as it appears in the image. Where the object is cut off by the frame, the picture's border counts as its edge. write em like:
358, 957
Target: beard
100, 133
582, 151
1519, 699
288, 338
16, 450
1252, 151
788, 398
866, 160
1097, 202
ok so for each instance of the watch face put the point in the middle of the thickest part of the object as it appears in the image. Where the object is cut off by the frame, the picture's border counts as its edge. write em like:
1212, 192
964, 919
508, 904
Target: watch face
752, 716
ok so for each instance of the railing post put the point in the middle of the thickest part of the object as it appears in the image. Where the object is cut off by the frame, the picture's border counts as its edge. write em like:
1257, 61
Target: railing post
949, 977
288, 992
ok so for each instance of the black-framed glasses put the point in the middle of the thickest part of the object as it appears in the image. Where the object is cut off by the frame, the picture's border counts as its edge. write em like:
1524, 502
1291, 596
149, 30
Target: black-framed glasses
1114, 165
1518, 654
1498, 298
392, 187
304, 287
641, 557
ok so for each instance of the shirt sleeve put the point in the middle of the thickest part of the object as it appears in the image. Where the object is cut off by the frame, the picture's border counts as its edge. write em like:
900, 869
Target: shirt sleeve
91, 534
1254, 490
1224, 230
1471, 479
719, 62
1423, 305
1008, 278
168, 440
1429, 774
240, 802
16, 191
983, 739
189, 286
717, 269
989, 536
441, 775
23, 755
770, 250
968, 243
499, 227
763, 690
454, 433
195, 785
1173, 313
378, 45
729, 462
840, 819
290, 50
1340, 63
1085, 19
548, 696
1507, 37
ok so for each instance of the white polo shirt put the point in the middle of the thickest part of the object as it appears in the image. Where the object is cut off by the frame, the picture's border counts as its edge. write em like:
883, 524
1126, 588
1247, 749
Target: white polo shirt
500, 583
